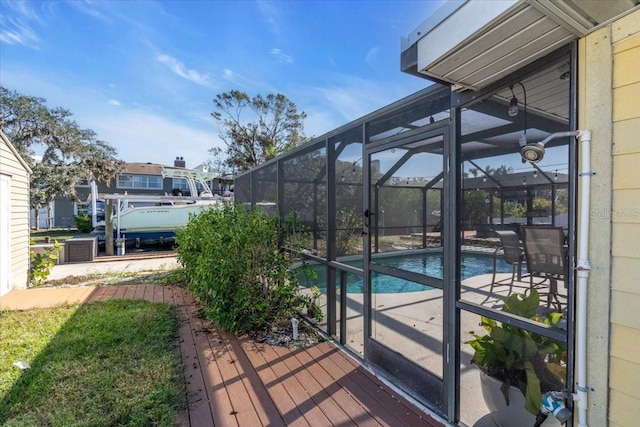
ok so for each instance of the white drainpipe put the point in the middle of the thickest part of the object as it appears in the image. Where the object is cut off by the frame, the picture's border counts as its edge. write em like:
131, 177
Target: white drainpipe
94, 198
583, 267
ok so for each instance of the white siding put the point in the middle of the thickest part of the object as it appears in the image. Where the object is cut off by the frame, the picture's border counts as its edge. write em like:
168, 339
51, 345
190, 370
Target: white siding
12, 166
624, 364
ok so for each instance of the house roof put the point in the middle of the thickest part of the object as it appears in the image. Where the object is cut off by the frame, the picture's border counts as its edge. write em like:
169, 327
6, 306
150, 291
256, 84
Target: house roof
4, 139
473, 43
144, 168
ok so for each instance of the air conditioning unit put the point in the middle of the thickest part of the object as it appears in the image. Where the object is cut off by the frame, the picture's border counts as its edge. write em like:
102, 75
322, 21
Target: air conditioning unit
81, 249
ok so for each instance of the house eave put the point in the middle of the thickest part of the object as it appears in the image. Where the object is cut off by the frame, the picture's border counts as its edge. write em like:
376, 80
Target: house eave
473, 43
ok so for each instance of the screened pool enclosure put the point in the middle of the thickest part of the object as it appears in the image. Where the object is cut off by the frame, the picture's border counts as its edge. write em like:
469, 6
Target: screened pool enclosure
398, 211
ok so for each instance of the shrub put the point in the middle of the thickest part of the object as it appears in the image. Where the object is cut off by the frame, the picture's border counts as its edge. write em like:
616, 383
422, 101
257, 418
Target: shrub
40, 265
235, 268
83, 223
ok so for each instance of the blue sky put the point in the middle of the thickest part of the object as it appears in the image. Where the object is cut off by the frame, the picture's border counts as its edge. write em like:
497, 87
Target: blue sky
143, 74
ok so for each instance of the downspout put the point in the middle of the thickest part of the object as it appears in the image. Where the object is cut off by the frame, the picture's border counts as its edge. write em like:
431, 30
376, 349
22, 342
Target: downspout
94, 199
534, 153
583, 267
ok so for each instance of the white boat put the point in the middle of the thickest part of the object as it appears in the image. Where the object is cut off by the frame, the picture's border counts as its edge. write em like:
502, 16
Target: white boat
156, 221
156, 217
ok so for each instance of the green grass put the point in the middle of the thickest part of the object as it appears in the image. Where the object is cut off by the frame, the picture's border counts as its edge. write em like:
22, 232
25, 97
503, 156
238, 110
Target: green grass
100, 364
55, 234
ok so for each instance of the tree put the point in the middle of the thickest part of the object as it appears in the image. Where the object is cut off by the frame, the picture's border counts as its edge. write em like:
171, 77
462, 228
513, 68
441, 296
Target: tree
501, 170
68, 153
256, 129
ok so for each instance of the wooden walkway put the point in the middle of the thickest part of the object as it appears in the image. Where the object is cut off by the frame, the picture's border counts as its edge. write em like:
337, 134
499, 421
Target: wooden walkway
237, 382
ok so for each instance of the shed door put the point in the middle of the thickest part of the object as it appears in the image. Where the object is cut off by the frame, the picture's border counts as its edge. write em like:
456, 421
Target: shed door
5, 210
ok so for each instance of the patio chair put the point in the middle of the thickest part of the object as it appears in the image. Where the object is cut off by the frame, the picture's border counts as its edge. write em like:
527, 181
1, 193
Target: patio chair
513, 254
546, 257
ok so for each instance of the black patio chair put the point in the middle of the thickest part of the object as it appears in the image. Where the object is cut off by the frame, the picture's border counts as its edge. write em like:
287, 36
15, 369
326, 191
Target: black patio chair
546, 257
513, 254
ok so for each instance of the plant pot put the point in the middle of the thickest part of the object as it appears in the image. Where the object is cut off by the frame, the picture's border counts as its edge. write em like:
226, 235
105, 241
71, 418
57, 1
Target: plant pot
512, 415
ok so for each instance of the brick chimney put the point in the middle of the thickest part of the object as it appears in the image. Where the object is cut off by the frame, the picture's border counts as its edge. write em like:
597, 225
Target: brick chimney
179, 163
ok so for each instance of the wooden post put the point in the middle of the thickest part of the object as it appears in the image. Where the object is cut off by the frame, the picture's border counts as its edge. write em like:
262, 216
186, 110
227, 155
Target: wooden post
108, 227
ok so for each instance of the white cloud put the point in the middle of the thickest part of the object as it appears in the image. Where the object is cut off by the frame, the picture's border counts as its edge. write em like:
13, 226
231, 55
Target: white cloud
15, 28
90, 8
347, 98
142, 136
352, 102
371, 56
17, 32
140, 133
114, 102
247, 83
228, 74
178, 68
270, 15
280, 56
320, 122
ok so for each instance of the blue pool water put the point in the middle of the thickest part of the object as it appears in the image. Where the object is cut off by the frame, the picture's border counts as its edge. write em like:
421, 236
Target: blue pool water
424, 263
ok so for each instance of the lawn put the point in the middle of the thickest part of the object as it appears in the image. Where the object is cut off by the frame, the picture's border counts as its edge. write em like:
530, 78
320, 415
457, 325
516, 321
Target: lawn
55, 234
99, 364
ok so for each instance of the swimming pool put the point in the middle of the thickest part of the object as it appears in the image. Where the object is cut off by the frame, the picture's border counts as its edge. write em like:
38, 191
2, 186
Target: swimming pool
473, 264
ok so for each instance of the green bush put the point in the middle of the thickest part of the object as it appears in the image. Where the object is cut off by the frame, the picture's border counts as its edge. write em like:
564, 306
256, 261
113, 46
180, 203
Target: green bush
234, 266
83, 223
40, 265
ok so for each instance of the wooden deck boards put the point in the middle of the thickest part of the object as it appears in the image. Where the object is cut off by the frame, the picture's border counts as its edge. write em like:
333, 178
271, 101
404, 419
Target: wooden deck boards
233, 381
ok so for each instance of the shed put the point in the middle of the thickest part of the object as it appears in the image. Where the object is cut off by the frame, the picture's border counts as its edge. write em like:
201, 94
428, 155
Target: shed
14, 218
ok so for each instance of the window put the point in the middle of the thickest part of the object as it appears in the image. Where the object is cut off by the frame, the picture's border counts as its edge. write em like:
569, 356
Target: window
139, 182
182, 185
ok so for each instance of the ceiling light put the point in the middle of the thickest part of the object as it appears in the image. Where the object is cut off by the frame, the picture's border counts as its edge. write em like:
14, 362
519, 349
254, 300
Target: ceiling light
513, 111
513, 106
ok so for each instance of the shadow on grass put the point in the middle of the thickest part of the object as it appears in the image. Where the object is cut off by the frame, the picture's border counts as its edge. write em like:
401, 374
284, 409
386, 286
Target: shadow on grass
110, 363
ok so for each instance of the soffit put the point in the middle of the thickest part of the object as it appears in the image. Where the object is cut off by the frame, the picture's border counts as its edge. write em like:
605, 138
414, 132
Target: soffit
478, 42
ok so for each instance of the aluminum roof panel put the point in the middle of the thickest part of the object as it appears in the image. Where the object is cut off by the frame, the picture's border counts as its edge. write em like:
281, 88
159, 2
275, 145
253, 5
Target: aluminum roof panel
480, 41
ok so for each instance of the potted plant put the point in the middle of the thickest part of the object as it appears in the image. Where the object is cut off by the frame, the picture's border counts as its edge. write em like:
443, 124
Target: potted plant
520, 359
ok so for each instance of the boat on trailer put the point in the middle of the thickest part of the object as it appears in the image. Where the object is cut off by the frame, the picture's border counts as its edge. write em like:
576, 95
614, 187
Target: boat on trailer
150, 219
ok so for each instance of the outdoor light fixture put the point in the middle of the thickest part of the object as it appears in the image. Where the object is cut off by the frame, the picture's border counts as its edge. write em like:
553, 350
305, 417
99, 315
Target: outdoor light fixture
353, 165
564, 71
513, 111
513, 105
534, 152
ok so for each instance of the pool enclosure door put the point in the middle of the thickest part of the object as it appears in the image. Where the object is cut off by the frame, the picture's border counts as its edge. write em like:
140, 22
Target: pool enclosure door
406, 215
